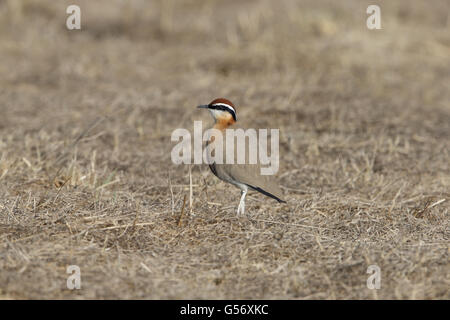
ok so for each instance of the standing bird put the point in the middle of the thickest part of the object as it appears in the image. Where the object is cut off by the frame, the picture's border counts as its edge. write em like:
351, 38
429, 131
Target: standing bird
243, 176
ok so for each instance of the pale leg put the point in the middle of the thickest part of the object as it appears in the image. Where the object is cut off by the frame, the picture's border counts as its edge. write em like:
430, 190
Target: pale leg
241, 207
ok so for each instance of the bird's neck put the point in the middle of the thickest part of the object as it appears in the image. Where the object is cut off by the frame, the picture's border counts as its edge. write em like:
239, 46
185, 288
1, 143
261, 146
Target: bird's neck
223, 124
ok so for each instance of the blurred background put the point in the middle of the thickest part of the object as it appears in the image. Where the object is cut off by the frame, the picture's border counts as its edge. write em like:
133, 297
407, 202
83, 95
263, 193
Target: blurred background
295, 63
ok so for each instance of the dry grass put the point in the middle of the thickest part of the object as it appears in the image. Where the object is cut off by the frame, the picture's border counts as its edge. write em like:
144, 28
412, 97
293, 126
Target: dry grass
85, 171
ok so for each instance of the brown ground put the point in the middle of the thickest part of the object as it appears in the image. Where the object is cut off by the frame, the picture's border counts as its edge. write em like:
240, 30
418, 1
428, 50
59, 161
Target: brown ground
86, 177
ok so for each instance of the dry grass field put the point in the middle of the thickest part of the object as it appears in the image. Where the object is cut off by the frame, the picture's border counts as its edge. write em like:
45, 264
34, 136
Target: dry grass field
86, 176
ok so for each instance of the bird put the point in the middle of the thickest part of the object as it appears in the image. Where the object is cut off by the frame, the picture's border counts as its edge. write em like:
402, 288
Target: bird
244, 176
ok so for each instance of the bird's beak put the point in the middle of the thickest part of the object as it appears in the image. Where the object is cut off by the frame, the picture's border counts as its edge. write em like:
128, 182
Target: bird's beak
203, 106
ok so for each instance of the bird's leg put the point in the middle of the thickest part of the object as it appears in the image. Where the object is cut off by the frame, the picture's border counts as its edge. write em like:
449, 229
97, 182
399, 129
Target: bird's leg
241, 207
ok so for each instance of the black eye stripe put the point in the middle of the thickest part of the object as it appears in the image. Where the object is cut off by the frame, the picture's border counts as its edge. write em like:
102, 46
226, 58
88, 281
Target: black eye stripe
223, 108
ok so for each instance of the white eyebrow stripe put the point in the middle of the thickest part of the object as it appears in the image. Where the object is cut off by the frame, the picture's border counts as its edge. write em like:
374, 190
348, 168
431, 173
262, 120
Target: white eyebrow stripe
224, 105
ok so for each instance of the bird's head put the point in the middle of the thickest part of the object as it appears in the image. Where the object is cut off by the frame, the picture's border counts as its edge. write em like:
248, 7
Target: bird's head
222, 110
